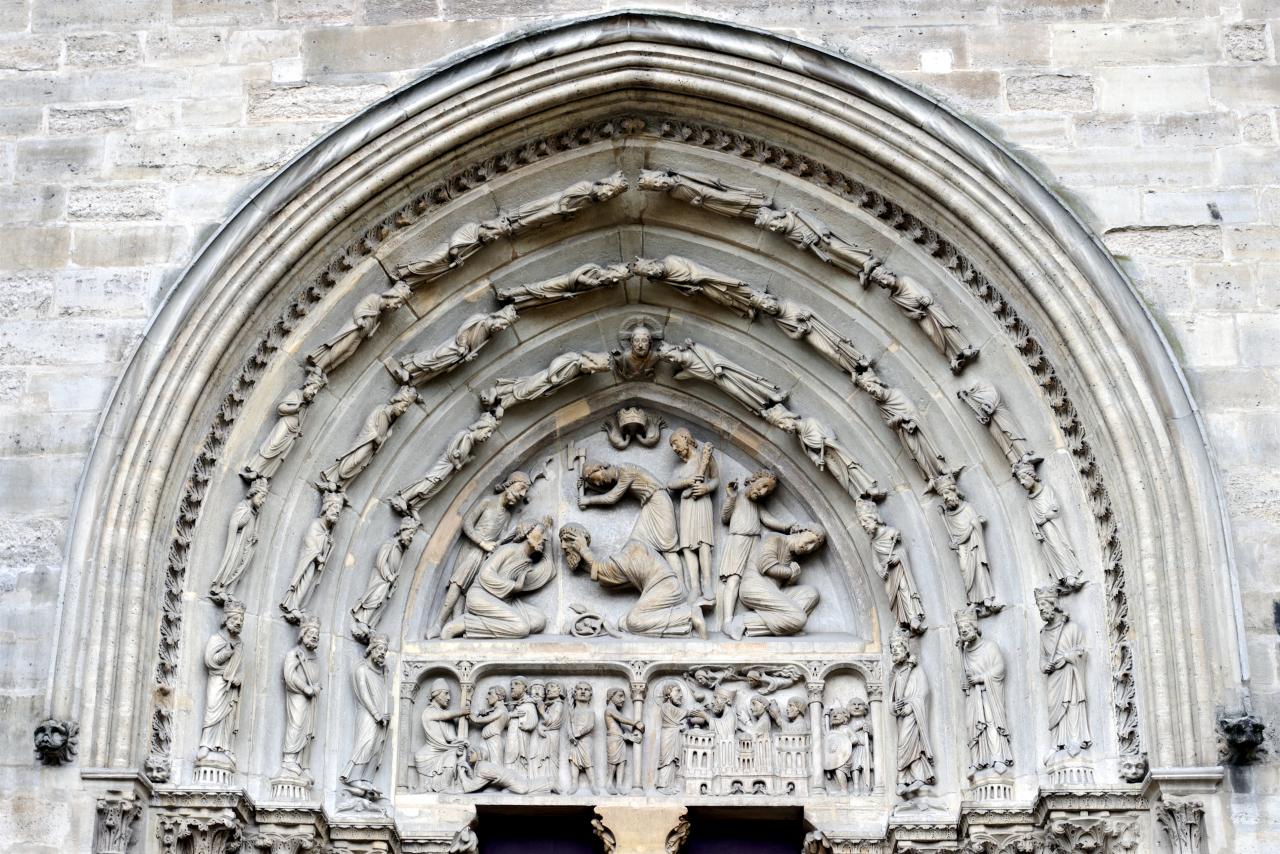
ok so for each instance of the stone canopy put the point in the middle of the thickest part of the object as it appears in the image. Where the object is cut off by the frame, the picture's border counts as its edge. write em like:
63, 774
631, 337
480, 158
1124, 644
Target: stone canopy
971, 604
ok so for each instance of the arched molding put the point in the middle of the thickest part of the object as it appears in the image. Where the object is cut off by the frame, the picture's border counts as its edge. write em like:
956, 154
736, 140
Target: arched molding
937, 183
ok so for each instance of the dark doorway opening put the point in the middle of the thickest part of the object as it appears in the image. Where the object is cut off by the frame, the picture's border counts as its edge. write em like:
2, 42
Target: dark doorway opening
536, 830
726, 830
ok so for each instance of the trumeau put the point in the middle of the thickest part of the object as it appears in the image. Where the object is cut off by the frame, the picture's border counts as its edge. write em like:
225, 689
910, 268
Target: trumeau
597, 472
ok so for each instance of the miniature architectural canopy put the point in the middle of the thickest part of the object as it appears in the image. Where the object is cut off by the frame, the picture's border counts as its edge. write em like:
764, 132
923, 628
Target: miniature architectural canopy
627, 454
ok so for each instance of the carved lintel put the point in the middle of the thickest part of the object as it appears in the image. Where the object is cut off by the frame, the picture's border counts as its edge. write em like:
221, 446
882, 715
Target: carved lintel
117, 818
56, 741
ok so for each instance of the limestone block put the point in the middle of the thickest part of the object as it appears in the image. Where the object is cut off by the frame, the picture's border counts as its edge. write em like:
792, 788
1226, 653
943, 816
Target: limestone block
121, 292
964, 90
212, 112
92, 50
1143, 43
1233, 388
34, 246
1206, 340
1157, 89
365, 49
1259, 339
67, 342
68, 15
237, 13
31, 540
1107, 207
186, 47
269, 103
1165, 287
901, 47
1189, 207
20, 121
1118, 167
1190, 129
1069, 92
218, 151
1254, 242
58, 159
78, 120
26, 294
1246, 166
84, 389
1122, 9
43, 433
123, 84
1105, 129
1166, 241
116, 202
1246, 42
13, 384
1223, 287
316, 11
32, 202
45, 482
1258, 129
396, 11
1034, 130
246, 46
29, 53
14, 16
1066, 10
1010, 45
1245, 85
468, 10
126, 245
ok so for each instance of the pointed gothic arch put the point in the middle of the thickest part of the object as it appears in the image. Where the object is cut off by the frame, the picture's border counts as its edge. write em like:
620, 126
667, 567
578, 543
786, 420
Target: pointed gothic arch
1059, 331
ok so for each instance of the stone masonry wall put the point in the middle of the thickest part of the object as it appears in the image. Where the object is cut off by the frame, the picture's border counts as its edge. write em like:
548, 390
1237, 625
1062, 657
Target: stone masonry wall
130, 128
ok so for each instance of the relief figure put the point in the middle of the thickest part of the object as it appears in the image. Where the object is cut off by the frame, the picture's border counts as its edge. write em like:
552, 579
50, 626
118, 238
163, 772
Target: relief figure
549, 698
456, 455
493, 717
909, 705
637, 357
373, 715
985, 401
985, 711
365, 319
376, 431
316, 546
799, 323
522, 724
1046, 522
582, 725
242, 539
965, 532
438, 759
466, 241
693, 279
565, 204
704, 191
301, 685
1063, 651
588, 277
901, 416
286, 431
620, 730
696, 480
382, 581
917, 303
491, 608
775, 604
562, 370
807, 232
222, 662
655, 526
891, 564
476, 331
747, 519
695, 362
661, 609
826, 452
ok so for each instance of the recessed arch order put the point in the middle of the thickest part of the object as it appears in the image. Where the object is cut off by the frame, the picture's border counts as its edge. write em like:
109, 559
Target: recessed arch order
917, 191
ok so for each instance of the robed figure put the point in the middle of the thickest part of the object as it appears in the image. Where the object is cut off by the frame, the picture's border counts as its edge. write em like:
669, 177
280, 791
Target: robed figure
369, 683
704, 191
301, 686
382, 581
374, 433
242, 539
437, 760
968, 540
475, 332
696, 362
466, 241
365, 319
984, 702
222, 661
491, 608
909, 705
902, 417
891, 564
1062, 660
774, 603
1046, 522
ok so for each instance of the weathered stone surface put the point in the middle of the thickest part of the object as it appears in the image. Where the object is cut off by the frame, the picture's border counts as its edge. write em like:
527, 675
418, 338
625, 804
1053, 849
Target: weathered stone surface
399, 11
78, 120
103, 49
1246, 42
1254, 86
187, 47
26, 295
34, 246
239, 13
316, 11
126, 245
116, 202
309, 103
1192, 207
1094, 44
1067, 92
1190, 129
69, 15
1168, 242
29, 53
365, 49
1155, 89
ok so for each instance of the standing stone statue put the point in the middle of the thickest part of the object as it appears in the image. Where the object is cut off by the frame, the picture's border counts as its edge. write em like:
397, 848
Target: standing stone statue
987, 732
864, 774
372, 719
718, 712
437, 760
301, 685
838, 751
826, 452
902, 418
476, 331
365, 318
799, 323
483, 529
619, 731
695, 362
775, 604
1063, 651
704, 191
493, 717
696, 480
242, 539
637, 358
466, 241
222, 661
917, 303
376, 431
564, 369
807, 232
582, 725
288, 427
965, 532
456, 455
909, 705
382, 581
747, 518
581, 280
316, 546
1046, 513
891, 564
985, 402
655, 526
693, 279
567, 203
522, 724
490, 607
661, 609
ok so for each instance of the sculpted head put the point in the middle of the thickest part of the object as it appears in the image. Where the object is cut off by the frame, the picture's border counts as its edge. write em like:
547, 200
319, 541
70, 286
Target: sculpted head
1025, 472
647, 268
683, 443
782, 418
599, 475
376, 652
55, 741
758, 705
839, 716
502, 318
771, 219
331, 507
857, 708
641, 341
491, 229
609, 187
899, 647
656, 181
233, 616
554, 690
673, 694
807, 540
309, 632
582, 692
315, 381
967, 626
534, 536
616, 697
515, 488
721, 699
1047, 603
537, 691
408, 528
495, 695
769, 304
441, 695
594, 363
517, 688
795, 708
574, 540
483, 427
760, 485
868, 516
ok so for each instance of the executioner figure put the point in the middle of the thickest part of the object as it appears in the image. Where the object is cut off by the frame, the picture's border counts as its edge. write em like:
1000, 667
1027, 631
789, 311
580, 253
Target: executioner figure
490, 607
696, 480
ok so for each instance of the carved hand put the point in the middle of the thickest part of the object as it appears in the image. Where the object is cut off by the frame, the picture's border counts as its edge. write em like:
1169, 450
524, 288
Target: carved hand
488, 545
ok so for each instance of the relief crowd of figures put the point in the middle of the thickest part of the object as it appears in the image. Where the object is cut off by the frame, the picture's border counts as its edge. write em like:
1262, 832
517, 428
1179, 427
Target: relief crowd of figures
668, 560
